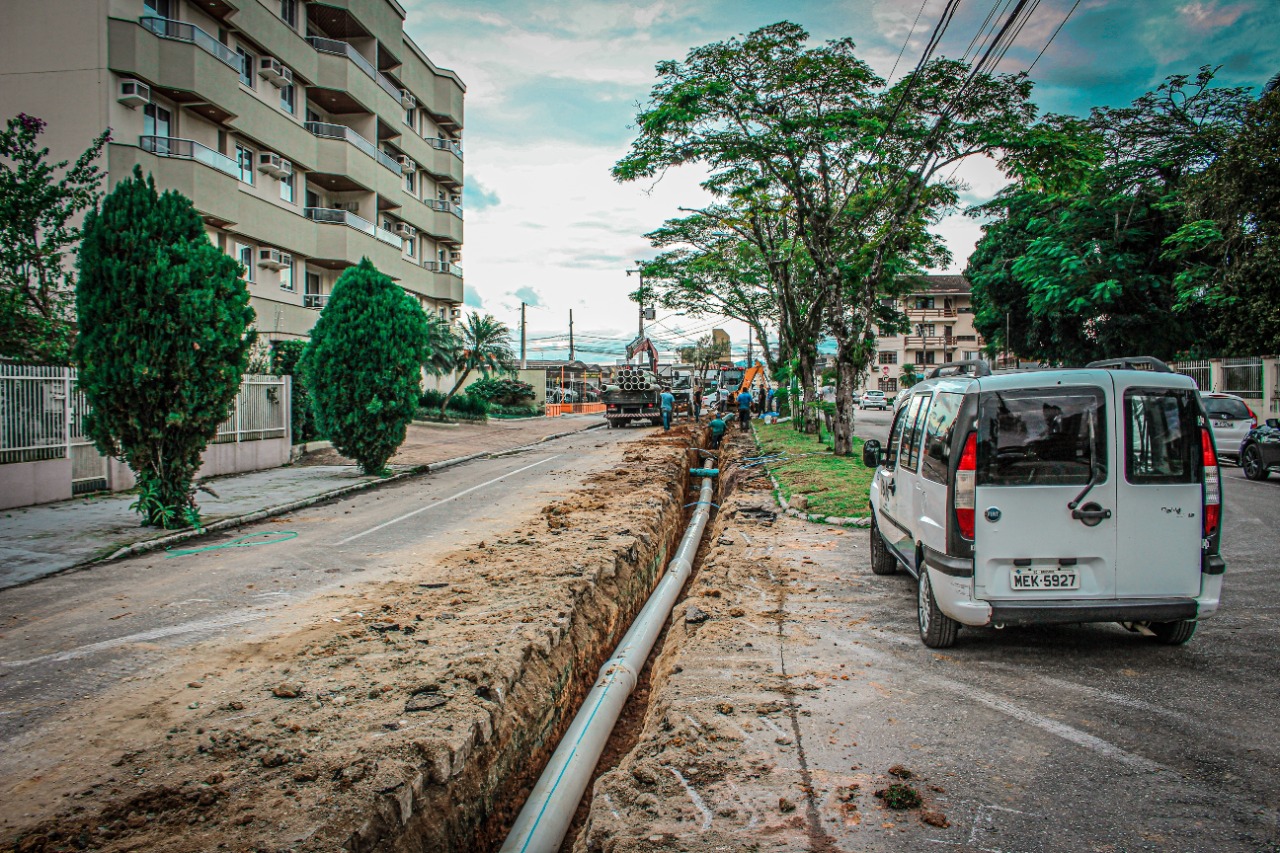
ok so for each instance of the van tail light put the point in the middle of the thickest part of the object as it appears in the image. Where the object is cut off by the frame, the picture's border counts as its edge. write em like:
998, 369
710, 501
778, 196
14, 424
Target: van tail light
1212, 485
966, 485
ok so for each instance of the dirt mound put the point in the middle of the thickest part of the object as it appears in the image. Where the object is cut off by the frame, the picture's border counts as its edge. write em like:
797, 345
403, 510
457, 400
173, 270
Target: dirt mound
417, 717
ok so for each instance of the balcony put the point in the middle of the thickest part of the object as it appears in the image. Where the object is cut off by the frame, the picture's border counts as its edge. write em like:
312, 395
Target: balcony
315, 301
444, 267
342, 48
929, 341
167, 28
451, 145
325, 130
931, 313
330, 216
189, 149
444, 206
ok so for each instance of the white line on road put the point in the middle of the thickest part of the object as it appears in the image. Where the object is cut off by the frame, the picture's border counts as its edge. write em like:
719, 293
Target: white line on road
446, 500
142, 637
1053, 727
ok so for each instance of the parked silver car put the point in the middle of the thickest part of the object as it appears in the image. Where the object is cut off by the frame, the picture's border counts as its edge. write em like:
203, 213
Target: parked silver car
873, 400
1230, 420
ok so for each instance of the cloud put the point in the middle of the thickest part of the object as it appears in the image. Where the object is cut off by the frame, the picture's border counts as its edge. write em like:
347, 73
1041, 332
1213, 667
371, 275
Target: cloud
475, 196
528, 296
471, 298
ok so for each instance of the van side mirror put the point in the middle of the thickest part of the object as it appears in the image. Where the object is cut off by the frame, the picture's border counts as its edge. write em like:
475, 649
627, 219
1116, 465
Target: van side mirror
871, 453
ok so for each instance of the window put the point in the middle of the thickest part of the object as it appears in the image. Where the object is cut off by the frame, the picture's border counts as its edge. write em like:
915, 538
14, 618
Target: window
286, 278
289, 12
408, 117
895, 433
936, 460
1160, 436
1226, 408
409, 175
929, 357
913, 431
244, 157
286, 188
924, 303
888, 385
156, 121
312, 199
411, 246
888, 358
158, 8
244, 254
1041, 437
288, 99
248, 63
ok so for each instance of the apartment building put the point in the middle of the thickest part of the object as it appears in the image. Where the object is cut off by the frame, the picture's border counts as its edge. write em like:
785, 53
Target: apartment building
940, 311
308, 134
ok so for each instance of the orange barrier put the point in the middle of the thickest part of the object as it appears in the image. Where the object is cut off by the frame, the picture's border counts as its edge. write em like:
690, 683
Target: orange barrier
555, 410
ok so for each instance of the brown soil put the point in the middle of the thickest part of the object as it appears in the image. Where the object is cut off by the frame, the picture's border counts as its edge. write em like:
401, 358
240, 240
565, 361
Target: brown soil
416, 720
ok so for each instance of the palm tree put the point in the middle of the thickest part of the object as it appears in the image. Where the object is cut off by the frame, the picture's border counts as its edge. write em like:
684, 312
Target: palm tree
486, 346
444, 348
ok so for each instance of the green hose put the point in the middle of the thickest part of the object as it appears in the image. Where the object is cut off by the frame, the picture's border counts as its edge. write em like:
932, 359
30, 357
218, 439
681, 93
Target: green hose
242, 542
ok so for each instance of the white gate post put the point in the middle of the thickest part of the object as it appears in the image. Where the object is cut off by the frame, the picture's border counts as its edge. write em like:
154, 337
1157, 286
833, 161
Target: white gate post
66, 413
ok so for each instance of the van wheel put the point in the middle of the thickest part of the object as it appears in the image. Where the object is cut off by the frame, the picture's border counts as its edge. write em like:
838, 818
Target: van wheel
937, 629
882, 562
1173, 633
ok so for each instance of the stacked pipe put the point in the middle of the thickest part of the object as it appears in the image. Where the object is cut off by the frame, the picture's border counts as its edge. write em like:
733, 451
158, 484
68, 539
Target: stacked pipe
636, 379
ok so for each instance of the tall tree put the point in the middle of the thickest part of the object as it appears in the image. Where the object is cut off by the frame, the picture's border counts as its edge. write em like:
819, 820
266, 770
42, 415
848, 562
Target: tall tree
486, 346
1095, 270
38, 239
364, 365
164, 339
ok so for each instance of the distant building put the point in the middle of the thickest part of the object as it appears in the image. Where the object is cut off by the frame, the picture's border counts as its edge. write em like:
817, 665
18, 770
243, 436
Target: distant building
940, 311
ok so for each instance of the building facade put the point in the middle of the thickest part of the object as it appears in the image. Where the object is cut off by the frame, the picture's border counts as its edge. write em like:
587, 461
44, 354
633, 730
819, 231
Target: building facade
307, 134
940, 311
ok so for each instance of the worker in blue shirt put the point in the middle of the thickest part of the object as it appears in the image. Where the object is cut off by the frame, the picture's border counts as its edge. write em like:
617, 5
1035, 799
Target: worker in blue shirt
668, 403
744, 410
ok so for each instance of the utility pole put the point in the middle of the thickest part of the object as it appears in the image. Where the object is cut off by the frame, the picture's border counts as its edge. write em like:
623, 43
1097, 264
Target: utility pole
748, 346
524, 363
571, 334
640, 327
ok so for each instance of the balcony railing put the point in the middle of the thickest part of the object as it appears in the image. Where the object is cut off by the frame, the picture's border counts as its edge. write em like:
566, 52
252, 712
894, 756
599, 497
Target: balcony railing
447, 145
189, 149
387, 86
342, 48
443, 266
930, 313
930, 341
390, 238
315, 300
332, 216
445, 206
325, 130
167, 28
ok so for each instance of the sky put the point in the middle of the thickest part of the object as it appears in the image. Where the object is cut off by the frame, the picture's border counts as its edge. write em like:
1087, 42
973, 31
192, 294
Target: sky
553, 89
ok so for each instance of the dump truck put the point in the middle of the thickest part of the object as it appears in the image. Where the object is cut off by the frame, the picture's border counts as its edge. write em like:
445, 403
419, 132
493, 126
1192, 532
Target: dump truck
635, 393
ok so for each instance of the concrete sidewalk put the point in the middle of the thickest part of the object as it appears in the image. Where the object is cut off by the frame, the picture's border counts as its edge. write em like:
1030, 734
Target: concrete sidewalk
42, 540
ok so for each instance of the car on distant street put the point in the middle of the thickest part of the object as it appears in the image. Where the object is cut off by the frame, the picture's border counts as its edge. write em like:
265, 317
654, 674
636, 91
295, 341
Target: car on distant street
1260, 450
1230, 419
873, 400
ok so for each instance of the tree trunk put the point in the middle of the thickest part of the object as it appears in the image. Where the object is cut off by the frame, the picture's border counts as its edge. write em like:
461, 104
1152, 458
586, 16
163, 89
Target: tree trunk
808, 397
454, 390
846, 386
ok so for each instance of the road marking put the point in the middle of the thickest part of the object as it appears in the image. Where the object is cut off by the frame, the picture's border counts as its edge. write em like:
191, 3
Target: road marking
141, 637
446, 500
1062, 730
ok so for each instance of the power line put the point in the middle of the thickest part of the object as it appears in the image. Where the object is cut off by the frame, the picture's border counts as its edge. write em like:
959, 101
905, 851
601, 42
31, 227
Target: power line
1067, 17
907, 40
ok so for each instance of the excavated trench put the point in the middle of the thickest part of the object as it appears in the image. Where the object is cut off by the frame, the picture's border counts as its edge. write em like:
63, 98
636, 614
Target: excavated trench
449, 697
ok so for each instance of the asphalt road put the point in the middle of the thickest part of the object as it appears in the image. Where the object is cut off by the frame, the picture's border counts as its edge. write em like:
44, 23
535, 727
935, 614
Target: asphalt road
1073, 737
66, 639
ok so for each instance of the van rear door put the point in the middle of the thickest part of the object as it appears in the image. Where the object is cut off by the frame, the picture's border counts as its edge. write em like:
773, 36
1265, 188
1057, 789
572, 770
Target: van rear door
1039, 449
1160, 493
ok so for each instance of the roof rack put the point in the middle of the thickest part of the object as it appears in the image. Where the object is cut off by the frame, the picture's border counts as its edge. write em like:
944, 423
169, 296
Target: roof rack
1132, 362
970, 367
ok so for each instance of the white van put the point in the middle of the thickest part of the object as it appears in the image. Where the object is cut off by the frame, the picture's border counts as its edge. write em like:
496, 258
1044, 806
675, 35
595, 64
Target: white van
1051, 496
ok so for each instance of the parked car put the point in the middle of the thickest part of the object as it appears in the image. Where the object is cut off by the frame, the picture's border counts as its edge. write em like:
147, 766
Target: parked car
1230, 418
873, 400
1051, 496
1260, 450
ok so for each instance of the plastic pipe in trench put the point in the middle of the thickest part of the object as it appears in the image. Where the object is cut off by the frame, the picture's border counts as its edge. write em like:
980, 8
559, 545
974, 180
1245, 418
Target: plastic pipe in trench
545, 818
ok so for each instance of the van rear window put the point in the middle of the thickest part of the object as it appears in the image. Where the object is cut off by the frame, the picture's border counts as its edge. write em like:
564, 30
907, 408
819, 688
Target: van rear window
1041, 437
1161, 436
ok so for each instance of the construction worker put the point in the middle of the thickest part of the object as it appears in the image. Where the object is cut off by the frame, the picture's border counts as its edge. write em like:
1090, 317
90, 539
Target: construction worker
668, 403
718, 427
695, 402
744, 410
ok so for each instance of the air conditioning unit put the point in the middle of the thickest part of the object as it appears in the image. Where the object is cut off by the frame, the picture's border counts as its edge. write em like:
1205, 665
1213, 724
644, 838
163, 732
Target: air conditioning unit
407, 100
274, 164
275, 72
274, 259
404, 229
455, 313
134, 93
348, 206
455, 256
406, 163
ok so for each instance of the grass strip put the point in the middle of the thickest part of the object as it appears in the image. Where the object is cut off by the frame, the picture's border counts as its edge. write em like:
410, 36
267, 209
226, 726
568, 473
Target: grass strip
837, 486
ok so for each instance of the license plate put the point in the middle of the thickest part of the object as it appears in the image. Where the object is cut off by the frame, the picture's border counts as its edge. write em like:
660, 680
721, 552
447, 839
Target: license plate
1227, 424
1045, 579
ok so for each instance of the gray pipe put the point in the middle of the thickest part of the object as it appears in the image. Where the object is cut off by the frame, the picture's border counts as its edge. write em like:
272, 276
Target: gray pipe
545, 818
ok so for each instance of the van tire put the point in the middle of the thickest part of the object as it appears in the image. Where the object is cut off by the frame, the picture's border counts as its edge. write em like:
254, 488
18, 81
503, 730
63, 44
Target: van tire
1173, 633
882, 562
937, 629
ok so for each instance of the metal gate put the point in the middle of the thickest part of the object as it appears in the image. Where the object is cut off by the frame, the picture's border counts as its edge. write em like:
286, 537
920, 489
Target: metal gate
1242, 377
1200, 371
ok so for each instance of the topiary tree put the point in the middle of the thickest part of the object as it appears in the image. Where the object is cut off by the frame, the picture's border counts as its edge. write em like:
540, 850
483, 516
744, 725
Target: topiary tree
164, 338
364, 365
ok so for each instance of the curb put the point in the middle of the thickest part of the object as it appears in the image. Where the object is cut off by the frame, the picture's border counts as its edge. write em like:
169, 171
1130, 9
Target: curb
851, 521
160, 542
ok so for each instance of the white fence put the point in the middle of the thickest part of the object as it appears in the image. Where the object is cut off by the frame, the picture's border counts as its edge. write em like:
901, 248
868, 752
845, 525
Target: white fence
1254, 378
42, 411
